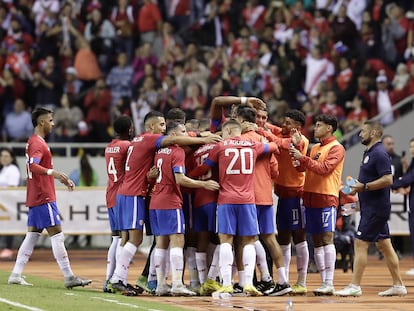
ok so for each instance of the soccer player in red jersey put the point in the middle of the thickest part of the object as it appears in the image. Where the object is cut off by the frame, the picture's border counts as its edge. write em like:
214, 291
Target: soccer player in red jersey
263, 188
204, 223
236, 210
166, 214
115, 158
131, 194
41, 200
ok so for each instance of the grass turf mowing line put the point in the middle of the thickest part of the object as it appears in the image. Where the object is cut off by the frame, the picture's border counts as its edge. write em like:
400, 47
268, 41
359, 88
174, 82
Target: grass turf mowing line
50, 295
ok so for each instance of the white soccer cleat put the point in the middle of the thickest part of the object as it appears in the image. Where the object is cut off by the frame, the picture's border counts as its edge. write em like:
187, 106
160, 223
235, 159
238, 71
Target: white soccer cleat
17, 279
74, 281
324, 290
395, 290
350, 291
181, 290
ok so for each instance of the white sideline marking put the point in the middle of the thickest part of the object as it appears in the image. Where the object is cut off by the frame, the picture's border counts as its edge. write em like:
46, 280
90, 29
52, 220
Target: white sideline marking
17, 304
124, 304
117, 302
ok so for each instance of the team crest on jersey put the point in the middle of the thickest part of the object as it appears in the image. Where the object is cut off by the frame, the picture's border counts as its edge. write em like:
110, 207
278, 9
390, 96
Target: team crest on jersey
366, 159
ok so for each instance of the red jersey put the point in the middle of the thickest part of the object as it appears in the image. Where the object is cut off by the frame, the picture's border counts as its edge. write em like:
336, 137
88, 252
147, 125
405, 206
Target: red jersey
236, 159
203, 196
264, 167
148, 17
167, 193
140, 158
115, 157
40, 187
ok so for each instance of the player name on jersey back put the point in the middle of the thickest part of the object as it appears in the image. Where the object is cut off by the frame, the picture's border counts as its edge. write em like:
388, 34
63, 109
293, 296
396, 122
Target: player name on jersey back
237, 142
112, 149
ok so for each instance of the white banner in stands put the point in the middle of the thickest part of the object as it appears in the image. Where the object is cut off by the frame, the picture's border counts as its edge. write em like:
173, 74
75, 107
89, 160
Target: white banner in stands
82, 211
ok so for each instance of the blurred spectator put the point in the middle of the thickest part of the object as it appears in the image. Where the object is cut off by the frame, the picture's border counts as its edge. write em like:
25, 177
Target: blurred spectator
343, 28
383, 101
193, 100
399, 163
45, 11
211, 32
401, 77
85, 61
195, 70
143, 57
67, 118
168, 95
122, 107
9, 177
318, 68
254, 15
167, 42
47, 84
119, 79
149, 21
147, 100
354, 10
344, 76
330, 107
11, 87
16, 32
97, 105
72, 85
18, 61
355, 117
18, 125
122, 17
178, 13
392, 32
100, 33
277, 102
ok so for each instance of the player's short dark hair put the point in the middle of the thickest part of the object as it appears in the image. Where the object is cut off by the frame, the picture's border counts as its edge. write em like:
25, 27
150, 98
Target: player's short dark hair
328, 119
297, 116
176, 114
204, 124
153, 114
231, 122
122, 125
40, 111
376, 126
172, 125
246, 113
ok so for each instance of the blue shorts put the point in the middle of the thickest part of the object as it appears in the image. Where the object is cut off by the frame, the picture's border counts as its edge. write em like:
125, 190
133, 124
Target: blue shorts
131, 212
43, 216
237, 219
113, 219
290, 214
167, 221
372, 228
320, 220
188, 209
204, 218
265, 219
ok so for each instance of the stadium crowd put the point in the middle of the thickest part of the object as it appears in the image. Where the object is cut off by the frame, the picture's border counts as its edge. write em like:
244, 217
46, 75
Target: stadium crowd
91, 61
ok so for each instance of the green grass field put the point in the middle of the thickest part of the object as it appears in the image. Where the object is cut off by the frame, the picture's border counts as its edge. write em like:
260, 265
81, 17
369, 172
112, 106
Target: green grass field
49, 295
